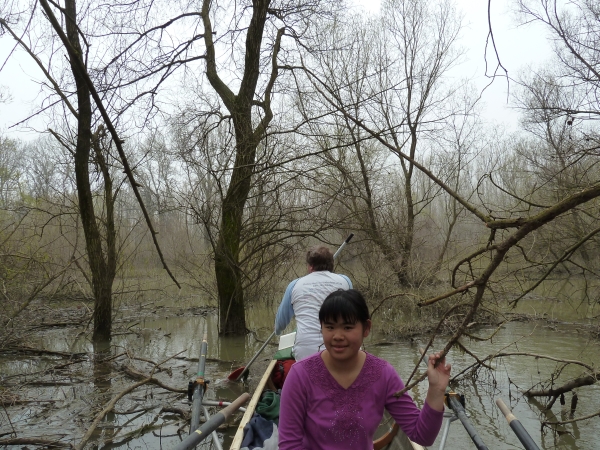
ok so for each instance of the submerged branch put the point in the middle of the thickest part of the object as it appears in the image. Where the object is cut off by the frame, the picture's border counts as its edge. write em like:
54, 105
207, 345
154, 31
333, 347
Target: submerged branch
564, 422
111, 404
149, 379
586, 380
35, 441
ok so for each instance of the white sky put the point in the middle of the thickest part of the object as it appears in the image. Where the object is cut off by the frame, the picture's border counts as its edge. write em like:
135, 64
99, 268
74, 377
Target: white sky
518, 48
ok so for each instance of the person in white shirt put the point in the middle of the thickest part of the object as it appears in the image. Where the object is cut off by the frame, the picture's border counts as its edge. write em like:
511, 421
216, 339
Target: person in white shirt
303, 299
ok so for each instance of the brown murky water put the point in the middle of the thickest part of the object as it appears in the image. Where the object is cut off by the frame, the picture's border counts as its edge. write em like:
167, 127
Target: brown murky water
54, 408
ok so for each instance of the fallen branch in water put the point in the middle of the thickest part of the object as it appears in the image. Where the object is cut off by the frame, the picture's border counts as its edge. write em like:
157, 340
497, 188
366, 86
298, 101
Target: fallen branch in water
106, 410
60, 324
533, 355
120, 440
113, 402
40, 351
36, 441
568, 386
564, 422
217, 360
169, 409
140, 376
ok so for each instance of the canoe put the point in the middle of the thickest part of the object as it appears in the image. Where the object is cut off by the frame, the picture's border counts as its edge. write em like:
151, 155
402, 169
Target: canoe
387, 438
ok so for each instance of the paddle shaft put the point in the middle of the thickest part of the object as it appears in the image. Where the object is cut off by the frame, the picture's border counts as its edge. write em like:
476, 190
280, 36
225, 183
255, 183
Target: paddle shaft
212, 424
199, 388
335, 255
517, 427
255, 356
462, 416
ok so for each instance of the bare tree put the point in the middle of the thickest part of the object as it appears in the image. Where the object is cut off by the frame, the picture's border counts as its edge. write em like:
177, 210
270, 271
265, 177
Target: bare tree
387, 83
89, 146
270, 30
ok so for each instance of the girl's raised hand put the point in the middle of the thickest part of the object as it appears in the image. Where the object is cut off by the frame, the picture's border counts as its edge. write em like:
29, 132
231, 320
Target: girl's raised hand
438, 375
438, 372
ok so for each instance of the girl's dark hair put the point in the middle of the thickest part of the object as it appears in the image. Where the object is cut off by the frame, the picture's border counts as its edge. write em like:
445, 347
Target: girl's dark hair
348, 305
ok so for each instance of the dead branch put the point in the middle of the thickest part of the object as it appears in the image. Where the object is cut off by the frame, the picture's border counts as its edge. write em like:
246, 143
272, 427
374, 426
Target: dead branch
36, 441
39, 351
113, 402
107, 409
45, 371
169, 409
130, 371
564, 422
568, 386
472, 355
59, 324
447, 294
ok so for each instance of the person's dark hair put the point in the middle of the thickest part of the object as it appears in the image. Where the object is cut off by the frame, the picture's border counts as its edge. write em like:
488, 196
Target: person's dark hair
348, 305
320, 258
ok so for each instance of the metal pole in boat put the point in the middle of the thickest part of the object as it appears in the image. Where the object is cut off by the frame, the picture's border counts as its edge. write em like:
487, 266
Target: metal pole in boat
199, 386
215, 438
212, 424
456, 406
517, 427
219, 403
449, 417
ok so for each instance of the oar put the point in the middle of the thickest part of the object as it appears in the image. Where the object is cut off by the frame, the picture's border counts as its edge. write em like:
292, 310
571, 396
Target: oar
517, 427
237, 374
460, 412
335, 255
212, 424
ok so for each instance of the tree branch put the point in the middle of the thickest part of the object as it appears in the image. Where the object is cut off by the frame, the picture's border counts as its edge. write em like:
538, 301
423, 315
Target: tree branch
118, 142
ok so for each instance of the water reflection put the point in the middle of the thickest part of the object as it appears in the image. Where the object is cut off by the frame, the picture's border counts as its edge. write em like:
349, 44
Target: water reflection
102, 374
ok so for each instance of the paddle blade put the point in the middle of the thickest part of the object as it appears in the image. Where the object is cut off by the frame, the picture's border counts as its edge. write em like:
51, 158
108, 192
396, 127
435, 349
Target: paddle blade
233, 376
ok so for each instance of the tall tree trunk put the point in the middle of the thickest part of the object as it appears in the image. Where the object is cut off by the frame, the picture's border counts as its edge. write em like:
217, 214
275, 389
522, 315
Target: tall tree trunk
399, 267
102, 274
232, 316
407, 235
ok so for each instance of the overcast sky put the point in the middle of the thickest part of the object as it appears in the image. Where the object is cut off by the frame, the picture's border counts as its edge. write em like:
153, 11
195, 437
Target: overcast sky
518, 47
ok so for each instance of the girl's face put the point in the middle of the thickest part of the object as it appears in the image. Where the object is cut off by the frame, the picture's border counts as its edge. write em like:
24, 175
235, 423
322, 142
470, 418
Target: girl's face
342, 339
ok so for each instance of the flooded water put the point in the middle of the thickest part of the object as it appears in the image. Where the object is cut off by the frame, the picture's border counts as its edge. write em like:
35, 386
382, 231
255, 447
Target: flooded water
60, 401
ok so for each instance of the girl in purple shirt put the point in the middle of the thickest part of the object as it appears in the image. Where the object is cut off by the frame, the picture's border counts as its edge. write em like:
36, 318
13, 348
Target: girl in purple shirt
335, 399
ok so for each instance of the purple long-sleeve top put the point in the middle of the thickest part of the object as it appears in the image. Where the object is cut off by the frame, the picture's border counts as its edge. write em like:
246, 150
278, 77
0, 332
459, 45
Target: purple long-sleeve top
317, 413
